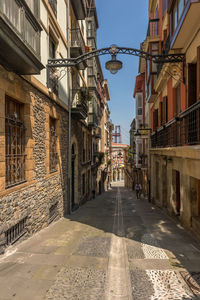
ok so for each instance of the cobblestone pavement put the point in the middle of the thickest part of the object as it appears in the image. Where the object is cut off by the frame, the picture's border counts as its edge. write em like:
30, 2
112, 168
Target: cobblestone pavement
113, 247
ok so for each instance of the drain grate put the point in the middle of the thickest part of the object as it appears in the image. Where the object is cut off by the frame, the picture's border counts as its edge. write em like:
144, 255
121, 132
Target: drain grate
193, 281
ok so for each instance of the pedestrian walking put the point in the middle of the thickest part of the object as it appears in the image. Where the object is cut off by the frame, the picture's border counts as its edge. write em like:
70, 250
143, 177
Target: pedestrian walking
138, 190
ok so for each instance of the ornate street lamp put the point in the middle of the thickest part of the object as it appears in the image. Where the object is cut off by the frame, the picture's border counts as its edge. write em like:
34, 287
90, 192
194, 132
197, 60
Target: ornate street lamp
114, 65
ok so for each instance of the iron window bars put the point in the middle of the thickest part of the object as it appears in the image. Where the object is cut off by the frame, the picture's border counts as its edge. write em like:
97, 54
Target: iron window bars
15, 143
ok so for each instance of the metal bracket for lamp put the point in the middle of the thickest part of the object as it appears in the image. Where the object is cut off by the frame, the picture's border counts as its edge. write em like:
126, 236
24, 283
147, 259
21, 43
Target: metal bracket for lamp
112, 65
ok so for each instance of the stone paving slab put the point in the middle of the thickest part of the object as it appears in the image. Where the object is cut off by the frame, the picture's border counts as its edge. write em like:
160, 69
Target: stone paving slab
78, 283
82, 261
20, 289
149, 264
70, 258
94, 246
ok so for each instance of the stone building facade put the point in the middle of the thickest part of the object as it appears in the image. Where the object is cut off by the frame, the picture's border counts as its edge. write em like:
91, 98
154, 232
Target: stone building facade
35, 144
118, 161
39, 197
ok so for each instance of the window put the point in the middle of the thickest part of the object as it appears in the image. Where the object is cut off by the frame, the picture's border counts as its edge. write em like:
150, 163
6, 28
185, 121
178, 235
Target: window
177, 12
32, 5
139, 101
178, 99
155, 119
53, 4
175, 16
89, 29
154, 51
52, 146
156, 23
164, 6
12, 11
52, 47
165, 110
15, 143
192, 83
53, 81
139, 111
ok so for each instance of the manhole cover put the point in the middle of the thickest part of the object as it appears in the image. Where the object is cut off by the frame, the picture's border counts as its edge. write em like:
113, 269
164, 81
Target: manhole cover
193, 281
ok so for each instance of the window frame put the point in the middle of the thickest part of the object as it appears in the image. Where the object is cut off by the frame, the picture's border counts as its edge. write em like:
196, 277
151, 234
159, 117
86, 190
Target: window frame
15, 138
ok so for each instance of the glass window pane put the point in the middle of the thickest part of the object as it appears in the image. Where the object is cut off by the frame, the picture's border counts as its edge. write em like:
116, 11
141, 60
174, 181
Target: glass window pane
175, 14
180, 8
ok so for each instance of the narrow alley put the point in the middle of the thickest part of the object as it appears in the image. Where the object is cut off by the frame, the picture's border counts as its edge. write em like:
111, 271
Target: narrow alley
113, 247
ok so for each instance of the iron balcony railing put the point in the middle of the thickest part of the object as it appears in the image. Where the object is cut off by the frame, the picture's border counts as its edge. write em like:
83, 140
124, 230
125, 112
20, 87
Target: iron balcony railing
182, 130
77, 39
92, 81
53, 4
16, 17
92, 119
98, 132
78, 101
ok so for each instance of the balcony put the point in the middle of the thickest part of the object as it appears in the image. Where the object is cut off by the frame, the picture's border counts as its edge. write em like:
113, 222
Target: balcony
187, 24
79, 9
92, 82
79, 104
182, 130
77, 43
98, 133
92, 119
19, 38
53, 4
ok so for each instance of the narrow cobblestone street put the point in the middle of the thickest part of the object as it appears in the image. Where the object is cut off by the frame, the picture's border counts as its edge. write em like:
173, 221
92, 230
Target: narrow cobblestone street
113, 247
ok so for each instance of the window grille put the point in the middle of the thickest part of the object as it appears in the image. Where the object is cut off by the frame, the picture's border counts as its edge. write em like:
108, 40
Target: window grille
15, 143
15, 232
53, 148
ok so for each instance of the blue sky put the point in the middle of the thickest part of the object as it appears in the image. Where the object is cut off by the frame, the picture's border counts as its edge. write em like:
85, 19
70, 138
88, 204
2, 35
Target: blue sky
124, 23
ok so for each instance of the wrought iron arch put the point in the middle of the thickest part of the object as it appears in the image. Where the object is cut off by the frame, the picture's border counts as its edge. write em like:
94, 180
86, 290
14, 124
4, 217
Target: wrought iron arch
73, 62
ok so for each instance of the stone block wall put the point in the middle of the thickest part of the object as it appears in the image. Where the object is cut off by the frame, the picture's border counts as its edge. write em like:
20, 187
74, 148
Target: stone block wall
43, 197
77, 138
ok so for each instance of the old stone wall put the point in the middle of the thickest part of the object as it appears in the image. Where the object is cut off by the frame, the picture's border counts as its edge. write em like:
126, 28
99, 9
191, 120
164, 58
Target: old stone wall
78, 130
43, 197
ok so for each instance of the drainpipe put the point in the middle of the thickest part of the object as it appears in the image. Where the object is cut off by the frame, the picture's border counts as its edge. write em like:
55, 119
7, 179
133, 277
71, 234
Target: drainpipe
68, 204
